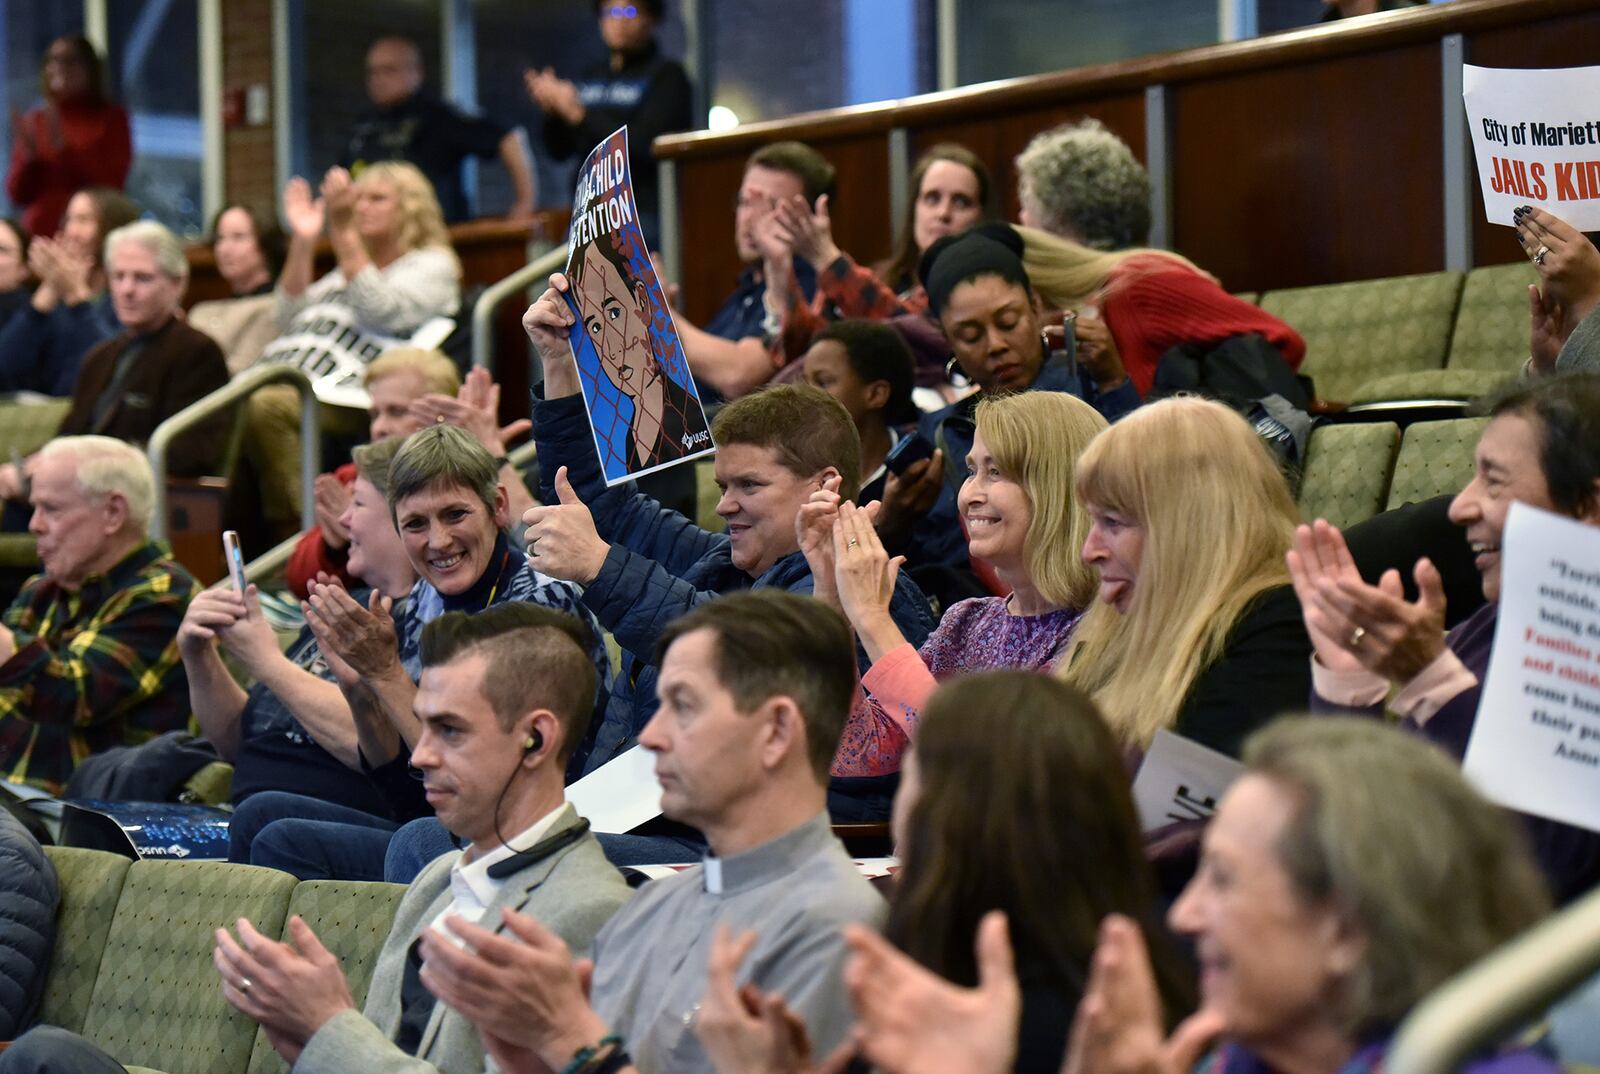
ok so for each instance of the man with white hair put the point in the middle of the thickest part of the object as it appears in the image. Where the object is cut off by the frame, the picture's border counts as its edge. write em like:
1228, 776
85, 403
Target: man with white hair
157, 364
89, 647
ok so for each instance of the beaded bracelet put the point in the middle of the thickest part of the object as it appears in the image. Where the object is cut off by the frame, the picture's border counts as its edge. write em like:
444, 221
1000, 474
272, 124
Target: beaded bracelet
581, 1059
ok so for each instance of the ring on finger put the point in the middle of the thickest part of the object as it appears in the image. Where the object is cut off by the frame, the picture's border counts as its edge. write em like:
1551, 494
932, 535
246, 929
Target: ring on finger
851, 543
1538, 256
244, 984
1356, 635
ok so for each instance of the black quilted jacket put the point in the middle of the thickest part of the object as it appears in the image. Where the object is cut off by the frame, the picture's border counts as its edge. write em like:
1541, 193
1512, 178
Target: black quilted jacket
28, 899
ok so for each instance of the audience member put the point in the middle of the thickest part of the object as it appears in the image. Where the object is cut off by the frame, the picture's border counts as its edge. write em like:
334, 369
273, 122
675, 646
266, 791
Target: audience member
503, 696
1083, 183
981, 295
14, 273
248, 247
28, 930
42, 347
754, 688
1346, 875
640, 565
395, 272
395, 381
407, 124
1142, 303
1196, 629
153, 368
635, 86
450, 511
77, 138
731, 355
1541, 448
90, 645
1018, 506
951, 188
1569, 268
292, 730
868, 368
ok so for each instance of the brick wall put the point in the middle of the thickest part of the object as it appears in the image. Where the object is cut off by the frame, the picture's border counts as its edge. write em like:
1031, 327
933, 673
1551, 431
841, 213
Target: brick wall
250, 175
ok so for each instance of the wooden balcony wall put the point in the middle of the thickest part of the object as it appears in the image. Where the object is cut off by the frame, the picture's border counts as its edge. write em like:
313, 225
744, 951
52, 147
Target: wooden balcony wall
1315, 156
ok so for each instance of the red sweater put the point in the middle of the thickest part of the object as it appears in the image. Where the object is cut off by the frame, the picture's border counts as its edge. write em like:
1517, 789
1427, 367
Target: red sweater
1152, 303
95, 150
310, 555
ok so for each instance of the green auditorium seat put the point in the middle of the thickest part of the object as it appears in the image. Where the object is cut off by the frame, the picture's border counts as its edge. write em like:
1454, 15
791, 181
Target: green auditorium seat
1347, 471
1358, 332
1435, 459
24, 428
1487, 347
91, 882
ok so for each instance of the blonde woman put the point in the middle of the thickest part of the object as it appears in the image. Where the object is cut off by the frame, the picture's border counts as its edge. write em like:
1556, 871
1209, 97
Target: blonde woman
1138, 304
1022, 518
1196, 628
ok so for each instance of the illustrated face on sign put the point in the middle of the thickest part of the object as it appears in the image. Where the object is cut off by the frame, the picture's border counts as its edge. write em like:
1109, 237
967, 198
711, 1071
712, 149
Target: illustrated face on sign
616, 318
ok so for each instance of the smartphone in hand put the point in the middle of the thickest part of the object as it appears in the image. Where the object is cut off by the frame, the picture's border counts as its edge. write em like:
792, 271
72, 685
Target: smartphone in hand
235, 558
909, 451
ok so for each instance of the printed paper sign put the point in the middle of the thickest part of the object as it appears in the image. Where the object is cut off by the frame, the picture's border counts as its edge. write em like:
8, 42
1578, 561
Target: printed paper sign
1536, 744
1180, 780
621, 794
643, 407
1537, 139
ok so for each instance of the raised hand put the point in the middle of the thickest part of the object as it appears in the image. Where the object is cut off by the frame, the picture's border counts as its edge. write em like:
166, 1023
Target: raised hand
304, 215
562, 540
339, 195
813, 530
475, 408
912, 1021
1097, 351
748, 1031
1566, 260
1355, 625
547, 322
362, 639
209, 613
331, 498
809, 230
865, 577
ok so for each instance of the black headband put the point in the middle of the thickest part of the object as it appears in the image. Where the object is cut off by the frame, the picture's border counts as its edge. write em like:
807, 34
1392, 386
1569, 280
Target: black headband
986, 250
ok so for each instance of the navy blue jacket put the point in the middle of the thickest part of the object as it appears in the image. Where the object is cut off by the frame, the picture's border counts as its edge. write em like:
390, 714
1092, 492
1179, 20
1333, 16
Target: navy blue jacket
660, 566
41, 352
29, 894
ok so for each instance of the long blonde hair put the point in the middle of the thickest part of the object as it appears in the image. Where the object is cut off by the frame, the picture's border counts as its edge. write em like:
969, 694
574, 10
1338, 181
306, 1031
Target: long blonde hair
1067, 274
1217, 519
421, 220
1036, 439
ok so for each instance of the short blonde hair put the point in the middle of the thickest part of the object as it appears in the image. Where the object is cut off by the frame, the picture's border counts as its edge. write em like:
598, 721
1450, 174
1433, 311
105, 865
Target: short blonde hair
156, 238
1388, 834
439, 374
1036, 439
105, 465
421, 220
1218, 520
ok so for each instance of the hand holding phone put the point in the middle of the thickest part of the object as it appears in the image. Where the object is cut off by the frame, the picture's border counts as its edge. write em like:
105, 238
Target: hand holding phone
235, 558
908, 452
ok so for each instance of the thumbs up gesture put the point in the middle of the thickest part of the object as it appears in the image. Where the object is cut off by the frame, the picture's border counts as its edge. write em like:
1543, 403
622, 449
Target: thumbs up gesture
562, 541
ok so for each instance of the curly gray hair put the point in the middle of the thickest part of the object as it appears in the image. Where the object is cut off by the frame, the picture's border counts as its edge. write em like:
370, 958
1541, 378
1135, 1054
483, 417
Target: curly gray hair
1083, 182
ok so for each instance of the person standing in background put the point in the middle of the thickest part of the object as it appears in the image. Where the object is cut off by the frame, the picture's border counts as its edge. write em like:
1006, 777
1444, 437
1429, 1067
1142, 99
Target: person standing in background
77, 138
637, 85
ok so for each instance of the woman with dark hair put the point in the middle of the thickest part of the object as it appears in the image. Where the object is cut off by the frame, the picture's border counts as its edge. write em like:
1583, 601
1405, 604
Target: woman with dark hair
1055, 846
14, 273
952, 195
70, 312
77, 138
249, 247
616, 311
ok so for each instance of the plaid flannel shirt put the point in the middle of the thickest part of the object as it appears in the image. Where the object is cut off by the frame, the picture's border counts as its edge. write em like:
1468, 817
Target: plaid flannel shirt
850, 289
93, 668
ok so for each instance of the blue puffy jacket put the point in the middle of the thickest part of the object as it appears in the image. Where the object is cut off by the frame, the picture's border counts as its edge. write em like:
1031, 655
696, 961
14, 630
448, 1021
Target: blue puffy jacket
660, 566
28, 899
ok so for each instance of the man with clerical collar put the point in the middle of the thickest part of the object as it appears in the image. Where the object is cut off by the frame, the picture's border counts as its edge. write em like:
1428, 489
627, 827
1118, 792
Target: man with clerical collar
754, 690
88, 650
504, 694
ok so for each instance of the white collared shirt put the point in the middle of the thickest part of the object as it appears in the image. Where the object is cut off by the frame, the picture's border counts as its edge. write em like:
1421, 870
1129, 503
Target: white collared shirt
472, 889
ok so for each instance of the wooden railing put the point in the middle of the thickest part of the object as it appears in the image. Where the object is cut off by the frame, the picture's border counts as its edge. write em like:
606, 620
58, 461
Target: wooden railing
1320, 155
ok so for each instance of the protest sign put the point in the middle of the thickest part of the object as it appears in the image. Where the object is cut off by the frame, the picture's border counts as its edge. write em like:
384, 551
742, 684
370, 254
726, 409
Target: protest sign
1536, 135
1535, 746
326, 342
1180, 779
643, 407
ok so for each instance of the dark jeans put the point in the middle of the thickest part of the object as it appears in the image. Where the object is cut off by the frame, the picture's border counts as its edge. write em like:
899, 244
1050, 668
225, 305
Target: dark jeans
51, 1050
309, 838
413, 847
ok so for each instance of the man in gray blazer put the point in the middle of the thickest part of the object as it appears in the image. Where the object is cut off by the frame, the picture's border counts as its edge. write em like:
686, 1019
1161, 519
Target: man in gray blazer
504, 696
754, 691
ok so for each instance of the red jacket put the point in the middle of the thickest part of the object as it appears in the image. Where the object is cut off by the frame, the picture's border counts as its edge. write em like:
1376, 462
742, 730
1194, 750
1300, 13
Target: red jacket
310, 555
95, 150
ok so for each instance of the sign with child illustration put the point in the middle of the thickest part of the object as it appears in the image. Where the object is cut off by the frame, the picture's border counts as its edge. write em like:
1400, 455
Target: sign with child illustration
643, 406
1536, 135
1536, 743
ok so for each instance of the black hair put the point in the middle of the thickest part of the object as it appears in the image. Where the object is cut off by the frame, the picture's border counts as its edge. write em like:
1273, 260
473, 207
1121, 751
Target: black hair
877, 351
1566, 411
270, 239
991, 249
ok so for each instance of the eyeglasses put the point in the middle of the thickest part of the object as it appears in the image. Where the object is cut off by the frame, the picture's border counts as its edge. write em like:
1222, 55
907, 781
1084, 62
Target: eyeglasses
621, 11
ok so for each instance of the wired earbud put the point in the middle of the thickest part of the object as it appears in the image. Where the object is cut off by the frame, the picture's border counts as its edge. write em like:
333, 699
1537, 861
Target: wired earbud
534, 742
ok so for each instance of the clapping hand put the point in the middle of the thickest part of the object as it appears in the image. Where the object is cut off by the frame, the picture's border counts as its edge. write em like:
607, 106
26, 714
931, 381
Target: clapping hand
331, 498
305, 216
354, 640
808, 231
865, 577
292, 991
1354, 625
813, 531
475, 408
339, 195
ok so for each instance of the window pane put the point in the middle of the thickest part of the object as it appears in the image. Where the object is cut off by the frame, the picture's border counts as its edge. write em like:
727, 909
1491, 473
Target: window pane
155, 64
1009, 38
